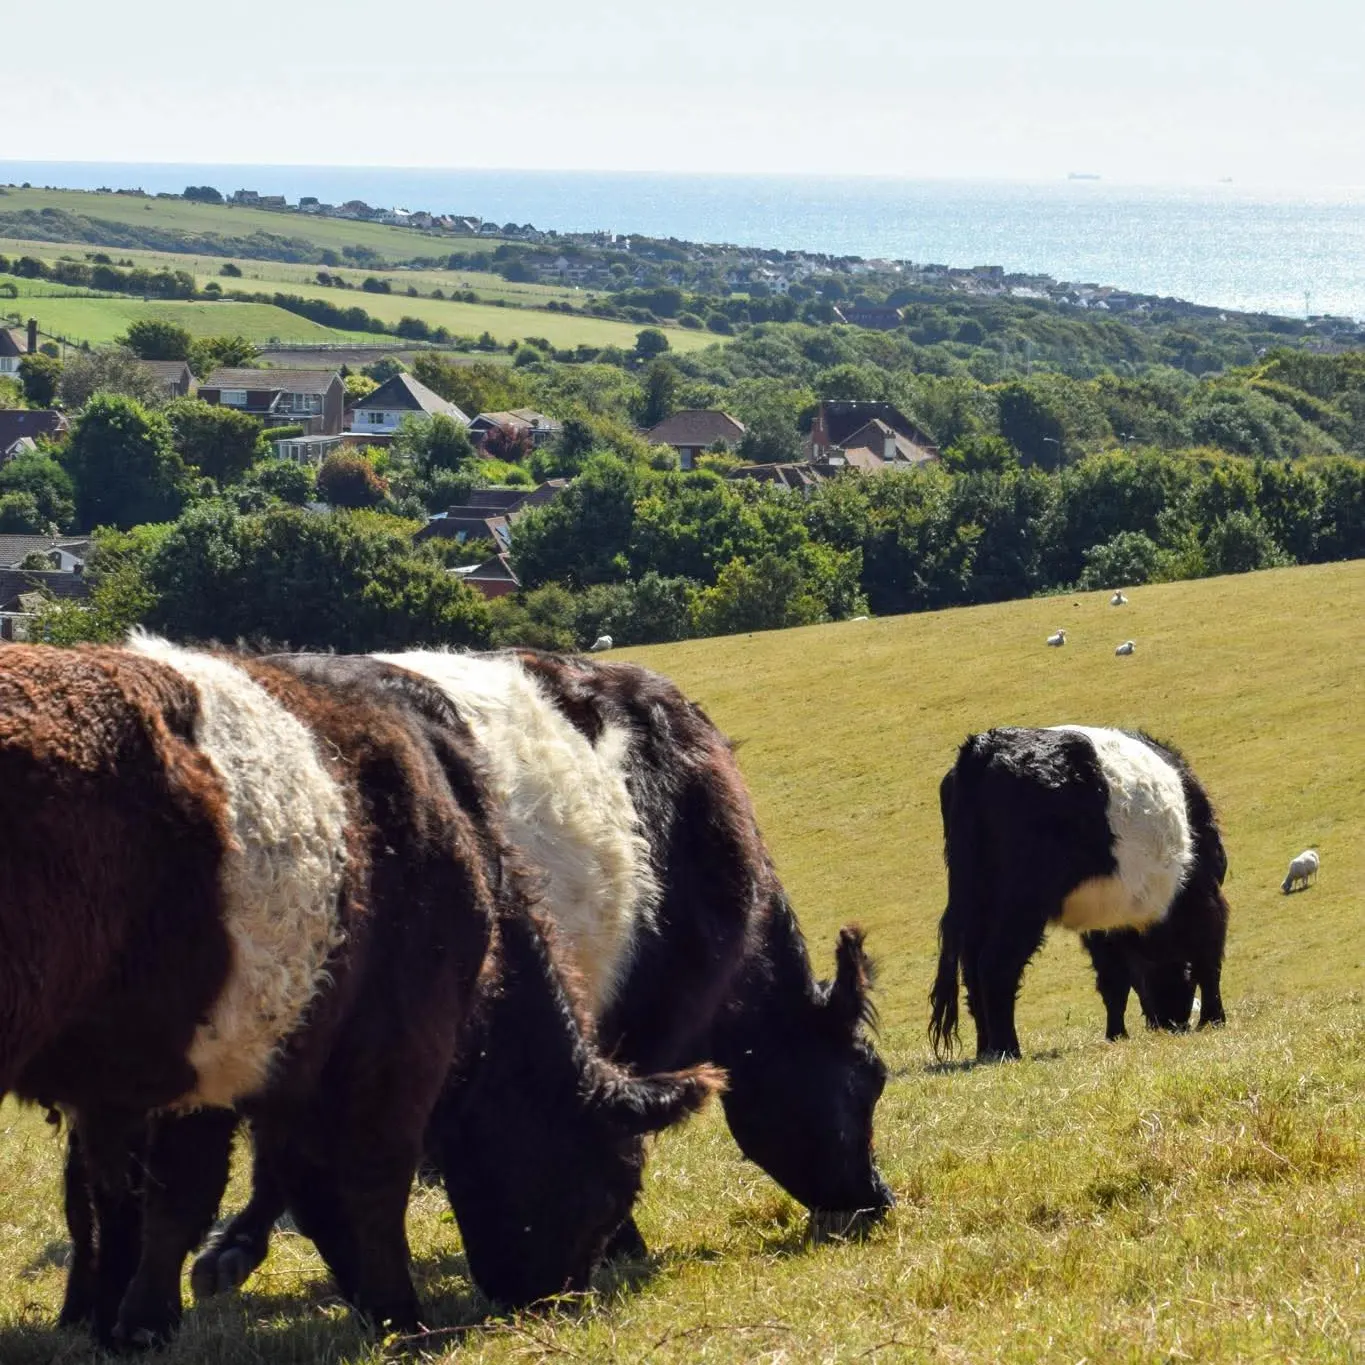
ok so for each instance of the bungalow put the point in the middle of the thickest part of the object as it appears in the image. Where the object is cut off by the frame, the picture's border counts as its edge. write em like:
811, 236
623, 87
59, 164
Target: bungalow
377, 415
540, 428
466, 524
695, 430
314, 398
65, 554
173, 377
21, 429
495, 577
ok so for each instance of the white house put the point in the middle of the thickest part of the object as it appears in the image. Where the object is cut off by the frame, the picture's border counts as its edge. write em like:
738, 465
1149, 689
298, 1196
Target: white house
377, 415
14, 346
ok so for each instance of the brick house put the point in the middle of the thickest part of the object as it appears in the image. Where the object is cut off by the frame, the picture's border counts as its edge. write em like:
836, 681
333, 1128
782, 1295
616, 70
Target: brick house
315, 399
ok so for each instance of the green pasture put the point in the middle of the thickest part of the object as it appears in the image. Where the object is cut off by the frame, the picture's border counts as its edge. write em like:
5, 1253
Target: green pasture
1169, 1198
293, 275
392, 243
99, 320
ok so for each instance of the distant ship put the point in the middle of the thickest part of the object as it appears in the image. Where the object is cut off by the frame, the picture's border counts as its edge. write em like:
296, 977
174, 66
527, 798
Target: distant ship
1081, 175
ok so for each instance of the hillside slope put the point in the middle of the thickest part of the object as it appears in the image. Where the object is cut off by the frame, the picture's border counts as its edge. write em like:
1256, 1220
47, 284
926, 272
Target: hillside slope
1196, 1197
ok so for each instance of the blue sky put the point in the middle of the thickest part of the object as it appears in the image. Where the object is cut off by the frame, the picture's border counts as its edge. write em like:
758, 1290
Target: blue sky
1159, 91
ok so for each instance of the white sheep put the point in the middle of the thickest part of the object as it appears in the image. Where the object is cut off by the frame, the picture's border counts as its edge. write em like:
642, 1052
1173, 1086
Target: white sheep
1118, 600
857, 618
1058, 640
602, 642
1304, 867
1125, 648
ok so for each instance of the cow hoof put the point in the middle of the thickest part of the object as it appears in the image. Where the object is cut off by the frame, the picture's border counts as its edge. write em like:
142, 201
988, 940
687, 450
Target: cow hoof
843, 1225
221, 1269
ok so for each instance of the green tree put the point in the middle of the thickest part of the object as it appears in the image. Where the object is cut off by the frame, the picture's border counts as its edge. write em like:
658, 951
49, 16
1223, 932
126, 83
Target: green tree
35, 475
479, 387
153, 339
219, 442
40, 375
650, 342
19, 514
1239, 543
568, 454
542, 619
124, 465
1127, 560
583, 535
286, 480
660, 391
212, 353
111, 370
348, 581
432, 445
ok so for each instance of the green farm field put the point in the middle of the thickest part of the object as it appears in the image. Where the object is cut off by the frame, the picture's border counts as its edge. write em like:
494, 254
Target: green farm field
294, 275
100, 319
179, 215
1171, 1198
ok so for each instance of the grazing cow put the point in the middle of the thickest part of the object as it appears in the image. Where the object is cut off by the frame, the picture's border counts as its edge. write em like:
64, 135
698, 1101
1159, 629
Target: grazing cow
1057, 640
1301, 870
280, 899
1100, 830
1126, 647
629, 803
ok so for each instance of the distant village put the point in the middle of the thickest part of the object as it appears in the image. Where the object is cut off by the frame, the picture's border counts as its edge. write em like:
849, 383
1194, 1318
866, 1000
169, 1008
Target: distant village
583, 259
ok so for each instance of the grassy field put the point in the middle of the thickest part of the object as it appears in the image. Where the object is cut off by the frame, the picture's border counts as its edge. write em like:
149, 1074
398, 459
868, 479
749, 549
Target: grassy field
392, 243
292, 275
100, 320
1168, 1198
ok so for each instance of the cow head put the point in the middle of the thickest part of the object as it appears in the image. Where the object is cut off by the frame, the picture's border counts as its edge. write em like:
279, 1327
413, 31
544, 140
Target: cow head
805, 1081
1159, 967
539, 1183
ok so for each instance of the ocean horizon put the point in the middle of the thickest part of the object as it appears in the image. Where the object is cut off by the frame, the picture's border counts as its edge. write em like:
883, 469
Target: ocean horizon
1290, 251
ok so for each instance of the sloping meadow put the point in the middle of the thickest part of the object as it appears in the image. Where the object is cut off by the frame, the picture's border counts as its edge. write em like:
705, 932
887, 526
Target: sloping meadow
1196, 1197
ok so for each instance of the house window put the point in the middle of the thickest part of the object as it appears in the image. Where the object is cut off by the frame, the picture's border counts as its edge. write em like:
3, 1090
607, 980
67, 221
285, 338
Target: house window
376, 419
232, 398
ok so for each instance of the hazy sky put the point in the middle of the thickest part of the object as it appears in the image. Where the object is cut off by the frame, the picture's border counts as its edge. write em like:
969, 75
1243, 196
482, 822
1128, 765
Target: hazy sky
1146, 90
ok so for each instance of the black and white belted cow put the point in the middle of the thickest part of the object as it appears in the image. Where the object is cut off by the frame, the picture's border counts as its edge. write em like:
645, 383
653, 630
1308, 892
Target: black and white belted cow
1104, 831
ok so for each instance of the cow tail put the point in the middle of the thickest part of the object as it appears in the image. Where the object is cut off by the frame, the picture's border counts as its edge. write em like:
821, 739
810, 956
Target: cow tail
943, 997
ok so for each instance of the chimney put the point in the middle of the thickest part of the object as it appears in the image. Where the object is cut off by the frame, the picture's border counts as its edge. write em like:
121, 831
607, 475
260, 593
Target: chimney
33, 336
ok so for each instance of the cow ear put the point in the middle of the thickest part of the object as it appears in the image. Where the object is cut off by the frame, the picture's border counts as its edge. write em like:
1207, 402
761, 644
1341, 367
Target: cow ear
850, 994
649, 1104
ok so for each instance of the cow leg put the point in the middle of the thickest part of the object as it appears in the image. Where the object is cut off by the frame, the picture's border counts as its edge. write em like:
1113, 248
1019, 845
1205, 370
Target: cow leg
187, 1170
1112, 980
355, 1214
1206, 963
82, 1283
242, 1244
971, 982
103, 1206
1000, 967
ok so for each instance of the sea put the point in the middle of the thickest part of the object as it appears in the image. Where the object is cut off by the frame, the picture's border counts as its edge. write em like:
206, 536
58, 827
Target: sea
1294, 252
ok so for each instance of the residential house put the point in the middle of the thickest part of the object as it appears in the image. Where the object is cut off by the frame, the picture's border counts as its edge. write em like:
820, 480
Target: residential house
24, 591
796, 477
695, 430
842, 424
376, 416
877, 445
14, 346
174, 377
511, 502
20, 429
316, 399
541, 429
495, 577
64, 554
466, 524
